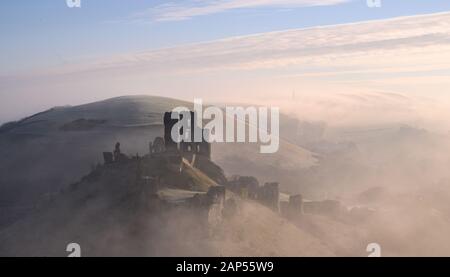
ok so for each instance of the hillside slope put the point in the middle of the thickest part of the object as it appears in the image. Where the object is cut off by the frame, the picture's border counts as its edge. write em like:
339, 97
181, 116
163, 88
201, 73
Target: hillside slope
111, 212
44, 153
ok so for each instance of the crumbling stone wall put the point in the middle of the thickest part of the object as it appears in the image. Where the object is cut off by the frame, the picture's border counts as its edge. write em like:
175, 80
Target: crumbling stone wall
108, 157
245, 186
269, 195
294, 208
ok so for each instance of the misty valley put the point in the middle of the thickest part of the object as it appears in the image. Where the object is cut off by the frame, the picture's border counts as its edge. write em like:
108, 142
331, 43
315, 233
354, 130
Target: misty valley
328, 191
215, 136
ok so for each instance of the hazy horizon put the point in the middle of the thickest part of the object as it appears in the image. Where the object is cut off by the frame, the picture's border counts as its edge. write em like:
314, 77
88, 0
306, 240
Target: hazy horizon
359, 128
386, 60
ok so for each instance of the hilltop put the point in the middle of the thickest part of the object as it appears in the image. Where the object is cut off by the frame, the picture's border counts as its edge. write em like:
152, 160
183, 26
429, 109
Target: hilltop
46, 152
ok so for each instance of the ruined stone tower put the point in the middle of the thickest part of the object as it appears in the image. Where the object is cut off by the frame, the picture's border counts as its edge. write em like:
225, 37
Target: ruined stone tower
170, 144
202, 148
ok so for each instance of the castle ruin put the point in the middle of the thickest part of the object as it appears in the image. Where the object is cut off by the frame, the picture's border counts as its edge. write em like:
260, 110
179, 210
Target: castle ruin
186, 149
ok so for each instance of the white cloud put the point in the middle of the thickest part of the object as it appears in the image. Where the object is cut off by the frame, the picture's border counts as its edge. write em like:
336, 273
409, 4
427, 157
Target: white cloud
408, 44
182, 10
409, 56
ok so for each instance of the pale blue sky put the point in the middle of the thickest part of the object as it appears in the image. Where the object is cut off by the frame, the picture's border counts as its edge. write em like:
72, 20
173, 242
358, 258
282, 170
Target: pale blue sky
47, 33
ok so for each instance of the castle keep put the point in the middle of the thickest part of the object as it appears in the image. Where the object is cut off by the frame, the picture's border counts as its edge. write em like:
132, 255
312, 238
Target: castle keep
185, 148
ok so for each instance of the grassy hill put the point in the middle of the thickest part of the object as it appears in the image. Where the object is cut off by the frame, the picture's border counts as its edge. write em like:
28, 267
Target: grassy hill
46, 152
